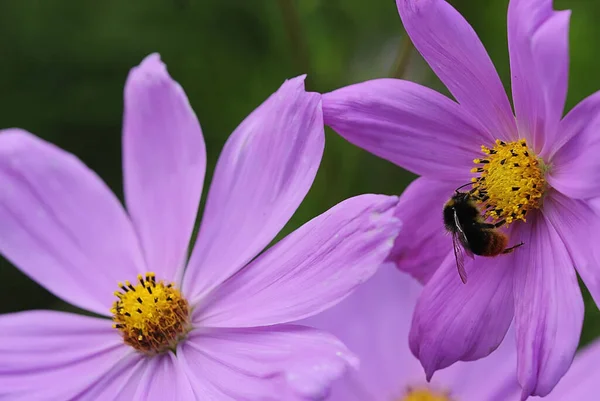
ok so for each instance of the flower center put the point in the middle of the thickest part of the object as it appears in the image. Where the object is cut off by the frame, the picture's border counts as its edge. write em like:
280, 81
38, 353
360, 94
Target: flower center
424, 395
511, 181
152, 317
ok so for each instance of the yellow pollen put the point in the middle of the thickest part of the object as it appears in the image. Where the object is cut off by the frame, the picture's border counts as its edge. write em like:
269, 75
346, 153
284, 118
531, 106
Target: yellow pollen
151, 316
511, 181
424, 395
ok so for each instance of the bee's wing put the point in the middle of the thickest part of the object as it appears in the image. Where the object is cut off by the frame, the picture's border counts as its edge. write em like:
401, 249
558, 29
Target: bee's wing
460, 244
459, 256
463, 237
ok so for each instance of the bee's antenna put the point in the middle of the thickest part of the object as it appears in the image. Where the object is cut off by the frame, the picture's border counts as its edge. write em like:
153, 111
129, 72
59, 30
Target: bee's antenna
462, 186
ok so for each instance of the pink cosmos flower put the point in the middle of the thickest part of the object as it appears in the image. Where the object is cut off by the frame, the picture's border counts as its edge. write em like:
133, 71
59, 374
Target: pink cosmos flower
213, 327
374, 323
532, 172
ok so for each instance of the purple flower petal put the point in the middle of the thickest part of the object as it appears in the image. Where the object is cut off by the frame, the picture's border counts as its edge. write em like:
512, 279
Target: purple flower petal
164, 378
575, 167
455, 321
423, 243
493, 378
577, 121
42, 351
283, 362
138, 377
61, 225
121, 382
548, 308
575, 170
538, 47
310, 270
164, 159
409, 125
581, 381
578, 226
550, 51
374, 323
266, 168
594, 204
454, 52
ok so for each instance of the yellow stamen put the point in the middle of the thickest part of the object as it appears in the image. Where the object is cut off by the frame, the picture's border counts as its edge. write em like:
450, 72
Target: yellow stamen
511, 181
424, 395
151, 316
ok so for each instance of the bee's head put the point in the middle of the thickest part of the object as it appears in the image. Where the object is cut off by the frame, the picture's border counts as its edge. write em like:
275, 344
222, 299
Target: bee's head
461, 197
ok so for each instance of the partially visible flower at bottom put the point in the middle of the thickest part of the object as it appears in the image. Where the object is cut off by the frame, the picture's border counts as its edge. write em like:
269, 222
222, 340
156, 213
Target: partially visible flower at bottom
213, 327
580, 383
374, 322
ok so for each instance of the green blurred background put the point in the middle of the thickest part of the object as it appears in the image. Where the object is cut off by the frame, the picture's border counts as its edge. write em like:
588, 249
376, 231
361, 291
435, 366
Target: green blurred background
64, 63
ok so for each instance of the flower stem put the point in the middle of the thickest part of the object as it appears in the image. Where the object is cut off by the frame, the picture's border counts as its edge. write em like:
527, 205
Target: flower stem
293, 27
403, 58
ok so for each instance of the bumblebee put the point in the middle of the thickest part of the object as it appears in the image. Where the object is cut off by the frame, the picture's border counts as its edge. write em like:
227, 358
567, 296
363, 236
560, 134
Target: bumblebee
471, 233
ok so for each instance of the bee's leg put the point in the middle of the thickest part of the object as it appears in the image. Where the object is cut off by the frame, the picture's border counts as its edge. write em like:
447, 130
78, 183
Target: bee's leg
512, 248
499, 224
